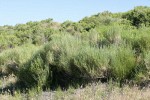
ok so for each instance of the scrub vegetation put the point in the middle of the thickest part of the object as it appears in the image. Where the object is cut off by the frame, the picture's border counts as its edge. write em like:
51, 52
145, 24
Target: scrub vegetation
48, 56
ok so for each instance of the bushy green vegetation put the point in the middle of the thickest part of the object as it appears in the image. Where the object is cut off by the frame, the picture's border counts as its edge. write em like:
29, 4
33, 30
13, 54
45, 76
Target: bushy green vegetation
110, 46
138, 16
14, 58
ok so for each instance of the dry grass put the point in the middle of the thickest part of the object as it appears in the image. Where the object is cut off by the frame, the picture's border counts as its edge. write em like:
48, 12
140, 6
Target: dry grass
104, 92
93, 91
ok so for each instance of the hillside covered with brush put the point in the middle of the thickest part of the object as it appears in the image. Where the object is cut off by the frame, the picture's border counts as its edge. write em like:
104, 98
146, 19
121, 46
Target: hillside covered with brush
105, 46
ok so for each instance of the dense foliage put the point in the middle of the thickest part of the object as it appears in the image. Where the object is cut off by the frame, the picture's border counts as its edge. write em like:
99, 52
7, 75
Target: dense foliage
107, 46
139, 16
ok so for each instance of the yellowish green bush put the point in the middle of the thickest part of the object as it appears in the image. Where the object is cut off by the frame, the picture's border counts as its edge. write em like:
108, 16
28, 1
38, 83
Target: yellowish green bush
14, 58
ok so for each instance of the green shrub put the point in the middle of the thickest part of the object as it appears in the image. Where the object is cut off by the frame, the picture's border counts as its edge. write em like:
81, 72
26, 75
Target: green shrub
8, 41
139, 39
139, 15
53, 58
123, 63
92, 62
66, 59
14, 58
34, 72
113, 35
